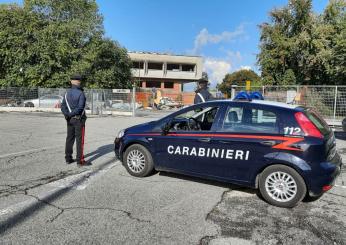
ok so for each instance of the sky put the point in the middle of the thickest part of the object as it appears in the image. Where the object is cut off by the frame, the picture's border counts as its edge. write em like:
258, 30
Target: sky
224, 32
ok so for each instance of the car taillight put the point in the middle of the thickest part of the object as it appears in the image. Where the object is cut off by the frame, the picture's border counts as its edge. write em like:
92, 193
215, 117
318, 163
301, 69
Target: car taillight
327, 187
307, 126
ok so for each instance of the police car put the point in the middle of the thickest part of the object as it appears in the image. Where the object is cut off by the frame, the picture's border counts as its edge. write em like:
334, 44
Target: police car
286, 151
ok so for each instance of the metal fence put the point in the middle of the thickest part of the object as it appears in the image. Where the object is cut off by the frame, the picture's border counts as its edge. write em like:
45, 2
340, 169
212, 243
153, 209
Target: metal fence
99, 101
330, 101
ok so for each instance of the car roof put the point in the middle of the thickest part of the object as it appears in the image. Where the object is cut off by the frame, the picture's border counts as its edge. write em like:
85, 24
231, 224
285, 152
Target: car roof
275, 103
261, 102
279, 105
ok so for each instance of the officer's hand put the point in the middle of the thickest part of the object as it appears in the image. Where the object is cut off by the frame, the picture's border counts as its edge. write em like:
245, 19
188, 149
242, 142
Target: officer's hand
67, 118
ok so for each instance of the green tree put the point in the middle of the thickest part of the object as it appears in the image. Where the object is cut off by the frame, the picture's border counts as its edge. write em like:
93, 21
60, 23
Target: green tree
334, 17
238, 78
55, 39
301, 47
278, 42
17, 41
106, 65
288, 78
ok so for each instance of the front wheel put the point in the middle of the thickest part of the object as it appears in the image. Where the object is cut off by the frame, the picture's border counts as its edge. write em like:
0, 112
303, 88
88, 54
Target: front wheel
282, 186
138, 161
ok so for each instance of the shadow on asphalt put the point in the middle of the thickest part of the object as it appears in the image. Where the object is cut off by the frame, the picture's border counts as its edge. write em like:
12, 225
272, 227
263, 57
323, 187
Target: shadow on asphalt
210, 182
23, 215
306, 199
101, 151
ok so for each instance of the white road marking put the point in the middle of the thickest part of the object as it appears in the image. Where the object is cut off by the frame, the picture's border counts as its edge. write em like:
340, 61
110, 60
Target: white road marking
5, 211
82, 180
18, 206
71, 181
93, 175
25, 204
77, 182
341, 186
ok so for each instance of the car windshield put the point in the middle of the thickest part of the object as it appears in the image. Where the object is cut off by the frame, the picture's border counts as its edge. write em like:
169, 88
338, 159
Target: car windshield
195, 113
318, 121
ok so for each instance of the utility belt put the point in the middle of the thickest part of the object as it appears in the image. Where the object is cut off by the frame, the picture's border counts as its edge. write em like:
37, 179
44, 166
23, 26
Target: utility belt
79, 117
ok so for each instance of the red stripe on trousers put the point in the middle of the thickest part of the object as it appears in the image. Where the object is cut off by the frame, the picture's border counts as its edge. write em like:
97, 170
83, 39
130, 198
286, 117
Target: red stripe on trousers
83, 136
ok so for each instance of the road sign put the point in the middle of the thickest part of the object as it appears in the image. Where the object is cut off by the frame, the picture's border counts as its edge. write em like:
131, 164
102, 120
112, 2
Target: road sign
248, 85
122, 91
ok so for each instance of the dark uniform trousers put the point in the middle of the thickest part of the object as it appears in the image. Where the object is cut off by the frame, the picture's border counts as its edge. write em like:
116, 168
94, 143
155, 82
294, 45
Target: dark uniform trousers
75, 132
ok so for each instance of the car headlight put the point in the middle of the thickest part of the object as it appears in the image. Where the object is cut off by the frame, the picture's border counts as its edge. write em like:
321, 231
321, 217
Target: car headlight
121, 133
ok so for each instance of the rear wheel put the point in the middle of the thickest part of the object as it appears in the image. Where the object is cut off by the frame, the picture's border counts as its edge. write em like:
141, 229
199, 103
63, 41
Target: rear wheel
282, 186
138, 161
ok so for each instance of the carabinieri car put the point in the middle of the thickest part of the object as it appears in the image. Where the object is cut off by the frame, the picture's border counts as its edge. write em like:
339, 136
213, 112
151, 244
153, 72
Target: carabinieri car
286, 151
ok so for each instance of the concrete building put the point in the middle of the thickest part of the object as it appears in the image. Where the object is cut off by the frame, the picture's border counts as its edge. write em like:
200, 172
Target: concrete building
165, 71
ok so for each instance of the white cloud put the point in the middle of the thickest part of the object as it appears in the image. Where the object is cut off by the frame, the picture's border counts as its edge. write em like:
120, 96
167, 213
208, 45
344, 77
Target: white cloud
245, 68
204, 37
234, 55
216, 69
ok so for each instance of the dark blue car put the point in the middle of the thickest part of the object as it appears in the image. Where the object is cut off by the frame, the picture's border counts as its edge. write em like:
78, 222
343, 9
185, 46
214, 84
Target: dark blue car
286, 151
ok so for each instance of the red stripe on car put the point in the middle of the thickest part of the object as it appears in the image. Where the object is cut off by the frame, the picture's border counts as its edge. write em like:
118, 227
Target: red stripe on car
285, 145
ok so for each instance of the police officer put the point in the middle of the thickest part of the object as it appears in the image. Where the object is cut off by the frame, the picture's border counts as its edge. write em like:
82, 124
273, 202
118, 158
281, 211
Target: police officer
73, 108
202, 93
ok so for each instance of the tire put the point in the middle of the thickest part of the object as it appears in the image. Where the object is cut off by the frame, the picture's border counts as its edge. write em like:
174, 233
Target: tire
141, 164
282, 186
29, 104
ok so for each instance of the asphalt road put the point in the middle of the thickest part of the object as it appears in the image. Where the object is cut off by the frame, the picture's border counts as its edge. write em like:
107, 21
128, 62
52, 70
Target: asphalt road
45, 201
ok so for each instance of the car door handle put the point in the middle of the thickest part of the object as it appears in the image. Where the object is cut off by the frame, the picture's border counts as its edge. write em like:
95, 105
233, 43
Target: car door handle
224, 141
268, 142
204, 139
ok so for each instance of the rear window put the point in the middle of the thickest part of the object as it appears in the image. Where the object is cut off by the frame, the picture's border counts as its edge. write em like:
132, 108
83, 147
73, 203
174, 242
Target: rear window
318, 121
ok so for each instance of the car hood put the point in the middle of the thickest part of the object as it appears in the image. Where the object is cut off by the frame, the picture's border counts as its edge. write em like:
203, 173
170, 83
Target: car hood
141, 128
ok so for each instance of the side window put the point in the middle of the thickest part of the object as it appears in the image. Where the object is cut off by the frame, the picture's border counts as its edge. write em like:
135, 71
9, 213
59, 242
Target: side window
197, 119
245, 120
234, 115
263, 117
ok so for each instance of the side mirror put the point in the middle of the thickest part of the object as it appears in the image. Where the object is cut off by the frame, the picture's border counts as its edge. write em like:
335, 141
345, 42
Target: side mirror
166, 127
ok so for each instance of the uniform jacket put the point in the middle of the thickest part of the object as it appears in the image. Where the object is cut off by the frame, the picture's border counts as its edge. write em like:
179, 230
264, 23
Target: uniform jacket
76, 100
205, 94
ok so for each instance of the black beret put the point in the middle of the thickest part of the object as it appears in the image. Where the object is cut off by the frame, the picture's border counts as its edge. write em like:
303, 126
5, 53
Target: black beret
76, 77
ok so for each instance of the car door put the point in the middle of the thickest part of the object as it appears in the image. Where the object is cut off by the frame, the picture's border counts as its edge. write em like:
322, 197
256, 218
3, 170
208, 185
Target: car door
246, 136
184, 150
49, 101
44, 101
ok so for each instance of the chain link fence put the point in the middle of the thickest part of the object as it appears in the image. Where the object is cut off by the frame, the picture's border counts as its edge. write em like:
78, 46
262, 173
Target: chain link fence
99, 101
330, 101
